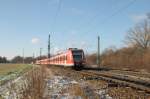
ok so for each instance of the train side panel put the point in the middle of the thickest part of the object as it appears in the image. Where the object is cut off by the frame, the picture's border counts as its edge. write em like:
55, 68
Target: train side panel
70, 58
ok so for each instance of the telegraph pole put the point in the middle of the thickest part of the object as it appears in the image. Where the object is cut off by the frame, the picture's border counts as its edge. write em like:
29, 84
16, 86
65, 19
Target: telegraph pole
33, 58
40, 54
49, 46
23, 56
98, 52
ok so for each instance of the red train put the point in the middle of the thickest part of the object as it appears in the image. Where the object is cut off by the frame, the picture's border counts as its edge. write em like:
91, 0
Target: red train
72, 57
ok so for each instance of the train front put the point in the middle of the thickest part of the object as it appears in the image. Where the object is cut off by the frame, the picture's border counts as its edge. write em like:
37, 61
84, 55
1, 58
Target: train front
78, 58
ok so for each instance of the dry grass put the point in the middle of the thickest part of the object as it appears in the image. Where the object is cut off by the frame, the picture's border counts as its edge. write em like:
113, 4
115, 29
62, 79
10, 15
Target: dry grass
87, 89
76, 90
11, 71
126, 93
33, 86
128, 58
100, 84
6, 69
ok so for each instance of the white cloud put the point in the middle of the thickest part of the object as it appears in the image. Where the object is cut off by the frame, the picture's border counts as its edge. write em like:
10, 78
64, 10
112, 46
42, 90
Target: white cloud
137, 18
35, 40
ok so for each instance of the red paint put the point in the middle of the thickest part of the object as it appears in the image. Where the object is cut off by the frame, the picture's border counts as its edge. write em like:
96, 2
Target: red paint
66, 58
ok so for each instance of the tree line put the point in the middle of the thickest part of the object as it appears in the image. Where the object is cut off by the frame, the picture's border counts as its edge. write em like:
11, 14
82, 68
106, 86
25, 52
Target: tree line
3, 59
20, 59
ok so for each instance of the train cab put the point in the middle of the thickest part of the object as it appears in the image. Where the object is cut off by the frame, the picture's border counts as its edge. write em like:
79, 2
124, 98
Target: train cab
78, 58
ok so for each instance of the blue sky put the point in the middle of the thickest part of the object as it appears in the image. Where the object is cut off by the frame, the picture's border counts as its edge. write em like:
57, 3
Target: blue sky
72, 23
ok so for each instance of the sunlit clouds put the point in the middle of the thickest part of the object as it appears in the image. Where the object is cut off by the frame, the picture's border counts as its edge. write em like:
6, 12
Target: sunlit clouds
35, 40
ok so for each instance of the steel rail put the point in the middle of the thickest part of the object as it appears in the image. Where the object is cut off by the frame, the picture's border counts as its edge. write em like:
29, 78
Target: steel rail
120, 80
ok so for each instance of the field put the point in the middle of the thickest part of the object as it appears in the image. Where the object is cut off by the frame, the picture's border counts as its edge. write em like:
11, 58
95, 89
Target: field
11, 71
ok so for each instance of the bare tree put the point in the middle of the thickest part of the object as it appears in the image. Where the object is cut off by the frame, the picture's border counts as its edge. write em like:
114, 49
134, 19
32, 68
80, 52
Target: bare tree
139, 36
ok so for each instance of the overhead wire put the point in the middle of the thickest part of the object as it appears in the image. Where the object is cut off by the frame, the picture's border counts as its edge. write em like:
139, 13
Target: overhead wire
56, 15
91, 20
117, 12
55, 18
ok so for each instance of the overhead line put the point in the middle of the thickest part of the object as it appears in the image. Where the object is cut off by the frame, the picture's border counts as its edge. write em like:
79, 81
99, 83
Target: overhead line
118, 11
56, 14
113, 14
123, 8
90, 21
53, 26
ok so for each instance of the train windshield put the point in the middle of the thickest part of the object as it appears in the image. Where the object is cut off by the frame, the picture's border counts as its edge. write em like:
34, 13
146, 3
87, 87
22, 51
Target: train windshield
77, 55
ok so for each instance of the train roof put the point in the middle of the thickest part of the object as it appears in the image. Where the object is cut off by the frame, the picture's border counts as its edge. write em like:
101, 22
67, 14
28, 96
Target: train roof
72, 49
63, 52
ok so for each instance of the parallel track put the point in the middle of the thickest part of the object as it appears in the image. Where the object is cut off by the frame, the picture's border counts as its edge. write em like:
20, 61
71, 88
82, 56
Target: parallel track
136, 82
120, 80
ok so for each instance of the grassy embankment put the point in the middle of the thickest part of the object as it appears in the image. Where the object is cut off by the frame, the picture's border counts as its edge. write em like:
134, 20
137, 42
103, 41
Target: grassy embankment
11, 71
34, 80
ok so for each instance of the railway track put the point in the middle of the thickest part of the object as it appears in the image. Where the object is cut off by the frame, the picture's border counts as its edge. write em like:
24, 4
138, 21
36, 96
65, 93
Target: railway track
134, 73
120, 79
133, 81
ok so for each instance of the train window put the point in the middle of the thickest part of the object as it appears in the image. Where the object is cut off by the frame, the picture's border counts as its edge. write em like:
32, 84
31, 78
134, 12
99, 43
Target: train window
65, 57
77, 57
61, 58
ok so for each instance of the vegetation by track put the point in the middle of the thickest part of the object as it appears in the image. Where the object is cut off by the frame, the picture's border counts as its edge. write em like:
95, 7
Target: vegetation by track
116, 89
